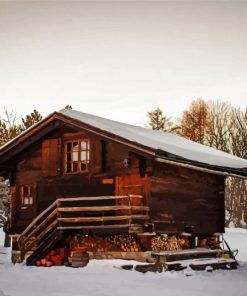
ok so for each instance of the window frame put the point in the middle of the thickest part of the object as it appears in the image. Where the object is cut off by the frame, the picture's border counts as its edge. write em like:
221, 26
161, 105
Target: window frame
79, 161
29, 197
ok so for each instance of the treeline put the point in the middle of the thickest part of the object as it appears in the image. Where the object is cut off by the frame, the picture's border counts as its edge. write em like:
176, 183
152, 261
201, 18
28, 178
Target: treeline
221, 126
11, 125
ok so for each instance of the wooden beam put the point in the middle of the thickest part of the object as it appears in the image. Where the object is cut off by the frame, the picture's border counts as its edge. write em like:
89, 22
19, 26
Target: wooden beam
90, 198
94, 219
140, 208
196, 168
102, 208
102, 219
94, 209
95, 227
142, 217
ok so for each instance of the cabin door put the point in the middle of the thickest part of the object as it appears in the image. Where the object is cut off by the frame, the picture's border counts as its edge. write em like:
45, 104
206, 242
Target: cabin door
133, 184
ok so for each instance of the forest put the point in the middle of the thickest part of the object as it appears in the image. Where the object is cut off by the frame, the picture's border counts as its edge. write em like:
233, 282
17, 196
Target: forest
214, 123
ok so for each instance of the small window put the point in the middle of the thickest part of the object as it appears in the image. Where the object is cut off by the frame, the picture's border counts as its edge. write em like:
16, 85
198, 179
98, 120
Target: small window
26, 194
77, 156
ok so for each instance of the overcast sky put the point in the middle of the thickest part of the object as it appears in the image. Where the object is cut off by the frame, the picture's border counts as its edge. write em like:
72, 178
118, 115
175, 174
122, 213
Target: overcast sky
121, 59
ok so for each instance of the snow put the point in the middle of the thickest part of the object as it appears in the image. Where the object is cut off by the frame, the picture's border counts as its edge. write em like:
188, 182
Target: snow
160, 140
105, 278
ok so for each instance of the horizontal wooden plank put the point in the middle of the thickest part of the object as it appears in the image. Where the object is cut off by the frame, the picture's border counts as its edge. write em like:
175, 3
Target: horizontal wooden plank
94, 209
94, 219
189, 251
102, 208
132, 186
95, 227
103, 219
88, 198
140, 208
142, 217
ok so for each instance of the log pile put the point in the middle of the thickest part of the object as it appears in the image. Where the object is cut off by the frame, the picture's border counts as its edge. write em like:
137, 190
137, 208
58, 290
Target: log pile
124, 243
95, 244
55, 257
213, 242
112, 243
167, 243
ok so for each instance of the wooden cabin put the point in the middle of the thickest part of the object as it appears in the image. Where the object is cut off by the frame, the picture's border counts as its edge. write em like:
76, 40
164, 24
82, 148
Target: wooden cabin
78, 172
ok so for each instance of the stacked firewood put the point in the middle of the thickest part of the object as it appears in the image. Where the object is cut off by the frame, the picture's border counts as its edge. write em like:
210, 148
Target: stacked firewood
112, 243
124, 243
95, 244
55, 257
167, 243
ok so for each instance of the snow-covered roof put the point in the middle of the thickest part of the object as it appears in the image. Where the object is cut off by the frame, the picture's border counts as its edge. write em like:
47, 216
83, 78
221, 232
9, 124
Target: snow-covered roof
162, 141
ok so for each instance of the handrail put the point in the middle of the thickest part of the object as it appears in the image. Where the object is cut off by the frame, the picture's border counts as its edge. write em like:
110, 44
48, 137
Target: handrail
102, 208
99, 197
51, 215
49, 218
38, 217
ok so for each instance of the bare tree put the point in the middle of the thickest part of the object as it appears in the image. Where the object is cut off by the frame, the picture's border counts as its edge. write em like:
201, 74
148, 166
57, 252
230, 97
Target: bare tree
219, 135
8, 126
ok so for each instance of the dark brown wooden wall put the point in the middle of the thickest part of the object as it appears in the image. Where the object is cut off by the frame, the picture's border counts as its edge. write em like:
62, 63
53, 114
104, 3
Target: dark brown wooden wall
181, 197
42, 167
178, 197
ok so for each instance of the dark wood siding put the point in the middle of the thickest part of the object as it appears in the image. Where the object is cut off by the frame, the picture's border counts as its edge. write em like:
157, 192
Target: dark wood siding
181, 197
178, 197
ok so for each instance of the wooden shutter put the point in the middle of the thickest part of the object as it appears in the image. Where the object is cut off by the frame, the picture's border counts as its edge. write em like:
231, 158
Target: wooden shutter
96, 156
51, 157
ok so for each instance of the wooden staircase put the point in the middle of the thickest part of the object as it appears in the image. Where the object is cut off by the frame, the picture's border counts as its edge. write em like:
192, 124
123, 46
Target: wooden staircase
101, 214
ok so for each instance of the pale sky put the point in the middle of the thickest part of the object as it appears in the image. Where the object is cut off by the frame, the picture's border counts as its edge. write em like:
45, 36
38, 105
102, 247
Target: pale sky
121, 59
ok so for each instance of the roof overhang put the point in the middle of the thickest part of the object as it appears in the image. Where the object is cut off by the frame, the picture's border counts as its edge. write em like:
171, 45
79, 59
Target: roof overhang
203, 168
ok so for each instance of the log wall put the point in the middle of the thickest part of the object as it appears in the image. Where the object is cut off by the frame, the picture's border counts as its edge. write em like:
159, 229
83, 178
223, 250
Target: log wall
178, 197
181, 197
42, 166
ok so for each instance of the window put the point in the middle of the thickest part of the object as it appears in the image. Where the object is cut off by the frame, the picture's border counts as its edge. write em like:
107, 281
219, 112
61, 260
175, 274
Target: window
77, 156
26, 194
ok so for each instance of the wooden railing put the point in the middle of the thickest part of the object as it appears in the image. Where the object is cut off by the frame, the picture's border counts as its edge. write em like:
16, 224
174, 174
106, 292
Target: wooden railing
83, 213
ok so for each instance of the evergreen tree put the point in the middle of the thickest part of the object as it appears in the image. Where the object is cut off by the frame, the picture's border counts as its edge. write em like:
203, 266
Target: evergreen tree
30, 119
158, 121
10, 128
68, 107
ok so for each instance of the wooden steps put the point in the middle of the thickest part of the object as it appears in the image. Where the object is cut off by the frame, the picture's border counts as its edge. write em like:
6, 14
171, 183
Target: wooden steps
168, 256
99, 214
44, 247
209, 265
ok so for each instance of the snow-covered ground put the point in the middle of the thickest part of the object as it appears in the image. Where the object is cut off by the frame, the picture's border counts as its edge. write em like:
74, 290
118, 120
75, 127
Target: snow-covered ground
104, 279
